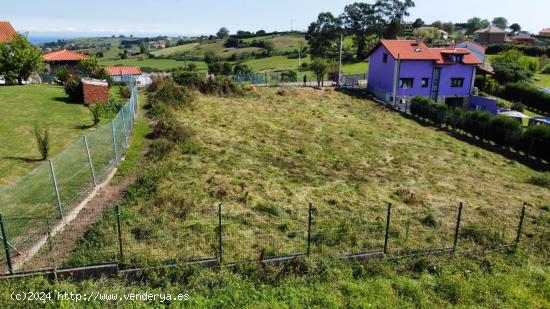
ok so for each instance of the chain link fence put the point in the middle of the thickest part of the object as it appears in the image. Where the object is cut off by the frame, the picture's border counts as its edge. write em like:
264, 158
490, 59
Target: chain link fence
231, 234
44, 201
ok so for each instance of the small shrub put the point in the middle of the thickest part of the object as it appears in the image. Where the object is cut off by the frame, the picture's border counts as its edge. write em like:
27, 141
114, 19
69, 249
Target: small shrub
429, 220
42, 136
73, 88
268, 209
62, 76
97, 110
480, 235
124, 92
189, 78
289, 76
249, 87
504, 131
164, 91
220, 85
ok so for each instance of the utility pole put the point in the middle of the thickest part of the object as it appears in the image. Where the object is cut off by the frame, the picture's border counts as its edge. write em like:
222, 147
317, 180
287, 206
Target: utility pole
340, 65
300, 56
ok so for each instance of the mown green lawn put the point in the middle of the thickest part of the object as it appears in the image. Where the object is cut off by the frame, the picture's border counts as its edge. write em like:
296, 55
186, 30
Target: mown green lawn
21, 107
544, 80
356, 68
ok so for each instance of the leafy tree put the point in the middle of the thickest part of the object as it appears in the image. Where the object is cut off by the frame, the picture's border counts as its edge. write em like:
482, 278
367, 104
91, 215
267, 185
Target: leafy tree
437, 24
515, 27
359, 20
241, 69
260, 32
323, 34
18, 60
97, 110
143, 49
269, 47
418, 23
320, 67
476, 23
222, 33
427, 33
62, 76
232, 42
500, 22
449, 27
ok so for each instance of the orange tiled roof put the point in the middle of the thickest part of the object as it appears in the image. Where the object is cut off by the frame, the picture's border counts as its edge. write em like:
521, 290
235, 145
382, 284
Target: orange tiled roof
123, 70
410, 50
469, 58
7, 32
64, 55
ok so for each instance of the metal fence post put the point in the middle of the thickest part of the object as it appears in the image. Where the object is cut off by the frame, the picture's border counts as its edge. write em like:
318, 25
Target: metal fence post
119, 231
6, 246
124, 128
220, 243
520, 226
90, 160
388, 217
52, 170
309, 217
457, 227
114, 141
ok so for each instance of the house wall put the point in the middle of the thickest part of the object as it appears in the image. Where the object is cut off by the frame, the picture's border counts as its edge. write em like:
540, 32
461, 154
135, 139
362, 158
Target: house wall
381, 75
483, 104
490, 38
455, 71
95, 94
416, 70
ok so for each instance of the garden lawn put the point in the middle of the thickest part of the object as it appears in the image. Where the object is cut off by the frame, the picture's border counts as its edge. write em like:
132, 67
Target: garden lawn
544, 81
21, 107
274, 63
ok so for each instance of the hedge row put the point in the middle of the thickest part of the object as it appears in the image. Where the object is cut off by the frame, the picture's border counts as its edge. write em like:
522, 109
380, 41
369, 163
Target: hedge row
502, 130
527, 95
535, 51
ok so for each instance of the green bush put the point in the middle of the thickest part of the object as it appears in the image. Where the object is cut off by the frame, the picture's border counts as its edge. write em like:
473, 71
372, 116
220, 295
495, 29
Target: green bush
42, 136
476, 123
504, 131
546, 70
62, 76
535, 141
542, 181
425, 108
73, 88
97, 110
165, 91
289, 76
527, 95
517, 106
220, 85
189, 78
124, 92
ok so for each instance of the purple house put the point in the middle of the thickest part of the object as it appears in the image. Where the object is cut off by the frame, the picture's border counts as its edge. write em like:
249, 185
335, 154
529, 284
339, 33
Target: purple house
402, 69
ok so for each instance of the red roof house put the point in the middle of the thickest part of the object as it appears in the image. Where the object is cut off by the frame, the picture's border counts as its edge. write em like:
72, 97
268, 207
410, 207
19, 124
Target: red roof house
124, 73
7, 33
60, 59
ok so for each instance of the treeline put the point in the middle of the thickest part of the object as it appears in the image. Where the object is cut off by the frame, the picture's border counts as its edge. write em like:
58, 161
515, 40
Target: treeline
501, 130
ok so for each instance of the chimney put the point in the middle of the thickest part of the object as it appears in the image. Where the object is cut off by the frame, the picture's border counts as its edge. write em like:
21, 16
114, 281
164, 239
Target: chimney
418, 41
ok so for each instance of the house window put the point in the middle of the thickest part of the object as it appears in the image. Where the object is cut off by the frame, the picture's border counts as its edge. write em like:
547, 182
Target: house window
425, 82
406, 83
385, 58
457, 82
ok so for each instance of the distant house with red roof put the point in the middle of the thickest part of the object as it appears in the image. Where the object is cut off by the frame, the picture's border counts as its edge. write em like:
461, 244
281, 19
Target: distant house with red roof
7, 33
60, 59
545, 32
401, 69
124, 73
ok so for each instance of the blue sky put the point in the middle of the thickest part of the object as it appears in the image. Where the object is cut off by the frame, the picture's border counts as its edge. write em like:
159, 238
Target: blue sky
153, 17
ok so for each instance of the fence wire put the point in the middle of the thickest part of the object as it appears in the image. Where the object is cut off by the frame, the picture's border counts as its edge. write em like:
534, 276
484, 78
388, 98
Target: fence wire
42, 203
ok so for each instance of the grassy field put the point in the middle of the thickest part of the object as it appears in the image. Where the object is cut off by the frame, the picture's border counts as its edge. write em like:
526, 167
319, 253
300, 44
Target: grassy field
356, 68
273, 63
175, 49
156, 64
21, 107
265, 156
496, 281
544, 80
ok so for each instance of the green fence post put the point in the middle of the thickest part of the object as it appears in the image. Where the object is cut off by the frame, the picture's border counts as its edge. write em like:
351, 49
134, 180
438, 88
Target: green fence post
6, 246
309, 218
520, 225
457, 227
388, 218
119, 231
54, 179
220, 243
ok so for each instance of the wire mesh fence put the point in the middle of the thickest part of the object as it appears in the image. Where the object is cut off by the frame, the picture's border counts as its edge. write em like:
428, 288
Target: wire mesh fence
43, 202
232, 234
